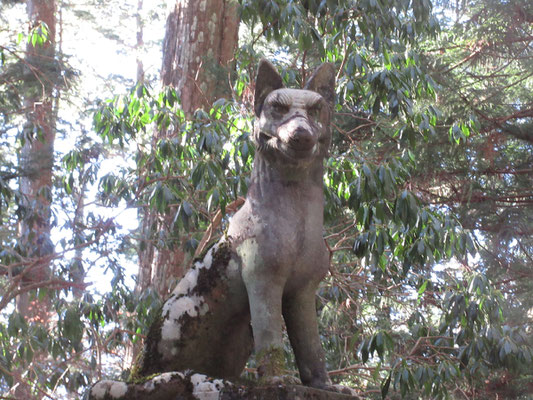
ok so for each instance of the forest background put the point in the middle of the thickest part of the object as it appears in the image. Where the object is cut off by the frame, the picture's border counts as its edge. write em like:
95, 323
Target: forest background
125, 147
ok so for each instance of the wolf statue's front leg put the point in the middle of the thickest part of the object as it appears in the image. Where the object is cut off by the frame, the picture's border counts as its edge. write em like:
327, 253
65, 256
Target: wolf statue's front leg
299, 312
265, 291
267, 327
270, 302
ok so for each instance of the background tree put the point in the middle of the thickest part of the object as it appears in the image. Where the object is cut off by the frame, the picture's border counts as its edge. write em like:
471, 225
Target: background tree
36, 157
41, 350
40, 75
483, 67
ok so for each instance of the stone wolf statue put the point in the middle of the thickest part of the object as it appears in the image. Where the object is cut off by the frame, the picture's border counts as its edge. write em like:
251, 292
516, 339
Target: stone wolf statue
268, 266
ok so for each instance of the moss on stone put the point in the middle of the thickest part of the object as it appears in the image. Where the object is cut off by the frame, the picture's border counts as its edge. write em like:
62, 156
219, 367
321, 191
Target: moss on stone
139, 380
135, 376
271, 362
148, 360
208, 278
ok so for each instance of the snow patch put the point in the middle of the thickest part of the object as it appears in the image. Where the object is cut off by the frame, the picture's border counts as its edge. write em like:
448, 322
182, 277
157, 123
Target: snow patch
118, 389
208, 259
204, 389
161, 379
167, 377
187, 282
175, 309
115, 389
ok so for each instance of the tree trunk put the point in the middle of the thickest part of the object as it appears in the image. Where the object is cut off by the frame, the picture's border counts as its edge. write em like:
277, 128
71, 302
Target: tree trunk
198, 53
37, 154
198, 50
36, 160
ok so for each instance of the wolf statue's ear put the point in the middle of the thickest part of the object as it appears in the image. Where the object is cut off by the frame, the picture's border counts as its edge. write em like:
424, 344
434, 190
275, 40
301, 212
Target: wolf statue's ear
267, 80
323, 81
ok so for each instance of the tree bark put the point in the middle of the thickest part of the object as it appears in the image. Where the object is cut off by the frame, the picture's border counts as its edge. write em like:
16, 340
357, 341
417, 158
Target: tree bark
36, 160
198, 50
36, 157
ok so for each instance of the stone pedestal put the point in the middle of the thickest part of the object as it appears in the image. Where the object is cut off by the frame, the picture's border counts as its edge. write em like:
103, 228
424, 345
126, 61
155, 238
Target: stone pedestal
189, 386
283, 392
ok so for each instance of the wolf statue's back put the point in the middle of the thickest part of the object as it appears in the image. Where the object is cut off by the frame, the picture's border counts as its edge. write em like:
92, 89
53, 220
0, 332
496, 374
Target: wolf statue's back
267, 267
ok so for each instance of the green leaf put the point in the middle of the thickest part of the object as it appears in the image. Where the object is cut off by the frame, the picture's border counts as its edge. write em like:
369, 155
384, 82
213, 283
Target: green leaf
422, 288
73, 327
385, 386
187, 208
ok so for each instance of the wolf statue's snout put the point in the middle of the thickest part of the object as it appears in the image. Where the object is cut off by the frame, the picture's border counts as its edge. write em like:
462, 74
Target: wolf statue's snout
301, 139
298, 135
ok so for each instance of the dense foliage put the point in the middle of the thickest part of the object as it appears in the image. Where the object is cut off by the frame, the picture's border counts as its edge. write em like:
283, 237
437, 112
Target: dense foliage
428, 186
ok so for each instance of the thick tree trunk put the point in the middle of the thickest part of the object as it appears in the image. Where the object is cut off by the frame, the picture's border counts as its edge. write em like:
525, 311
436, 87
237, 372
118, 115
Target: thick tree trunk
36, 160
37, 155
198, 52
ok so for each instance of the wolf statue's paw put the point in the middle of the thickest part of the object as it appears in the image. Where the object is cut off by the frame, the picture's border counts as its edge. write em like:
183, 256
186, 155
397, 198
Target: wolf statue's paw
271, 370
277, 380
342, 389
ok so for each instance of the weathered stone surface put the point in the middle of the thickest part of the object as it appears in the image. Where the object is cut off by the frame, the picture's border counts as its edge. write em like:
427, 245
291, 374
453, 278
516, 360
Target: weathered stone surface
190, 386
166, 386
283, 392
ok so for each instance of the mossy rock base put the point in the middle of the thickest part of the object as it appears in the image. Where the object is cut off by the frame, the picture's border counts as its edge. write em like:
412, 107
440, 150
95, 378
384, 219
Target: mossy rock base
189, 386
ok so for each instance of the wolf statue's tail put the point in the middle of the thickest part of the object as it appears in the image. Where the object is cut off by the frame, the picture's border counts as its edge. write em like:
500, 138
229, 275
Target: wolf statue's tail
205, 324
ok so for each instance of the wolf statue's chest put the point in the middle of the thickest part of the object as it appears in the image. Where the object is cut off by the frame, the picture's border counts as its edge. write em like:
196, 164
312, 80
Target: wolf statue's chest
277, 240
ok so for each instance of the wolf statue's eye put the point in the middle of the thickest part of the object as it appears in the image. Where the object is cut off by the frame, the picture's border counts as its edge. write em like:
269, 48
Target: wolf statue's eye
280, 108
314, 112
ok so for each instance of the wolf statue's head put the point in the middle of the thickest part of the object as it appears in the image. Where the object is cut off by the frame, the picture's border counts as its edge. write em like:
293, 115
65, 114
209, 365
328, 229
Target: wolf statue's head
293, 124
